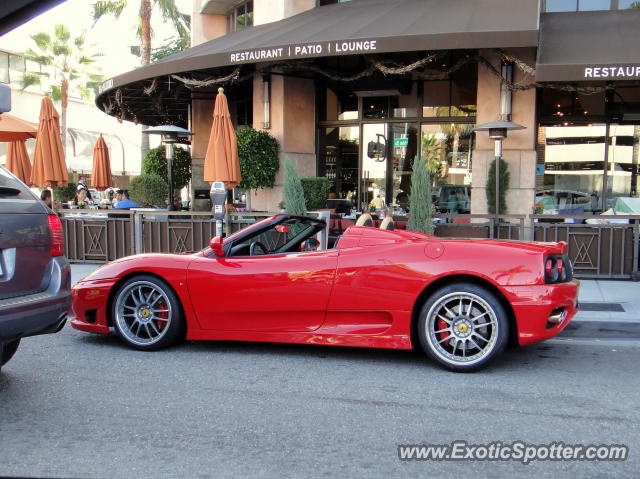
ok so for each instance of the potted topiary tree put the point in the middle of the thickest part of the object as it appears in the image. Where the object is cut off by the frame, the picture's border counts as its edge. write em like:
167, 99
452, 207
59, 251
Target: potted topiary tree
155, 163
259, 161
315, 191
149, 190
491, 187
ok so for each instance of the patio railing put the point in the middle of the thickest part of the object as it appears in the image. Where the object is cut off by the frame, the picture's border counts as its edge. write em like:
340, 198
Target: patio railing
608, 250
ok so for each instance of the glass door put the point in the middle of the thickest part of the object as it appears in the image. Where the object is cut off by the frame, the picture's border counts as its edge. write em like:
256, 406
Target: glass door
388, 153
373, 172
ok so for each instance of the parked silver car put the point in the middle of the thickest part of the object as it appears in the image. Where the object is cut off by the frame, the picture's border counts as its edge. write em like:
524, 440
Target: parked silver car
35, 277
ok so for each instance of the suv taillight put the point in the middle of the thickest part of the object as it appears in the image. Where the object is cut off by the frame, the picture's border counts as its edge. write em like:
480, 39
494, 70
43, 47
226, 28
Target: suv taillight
557, 269
57, 236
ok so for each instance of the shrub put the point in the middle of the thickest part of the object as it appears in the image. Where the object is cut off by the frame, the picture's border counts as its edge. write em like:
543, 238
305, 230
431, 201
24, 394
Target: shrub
315, 190
491, 187
149, 190
64, 193
293, 192
155, 163
259, 162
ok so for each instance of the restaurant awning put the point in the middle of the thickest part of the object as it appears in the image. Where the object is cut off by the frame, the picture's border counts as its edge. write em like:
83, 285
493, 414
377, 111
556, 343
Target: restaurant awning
16, 12
589, 46
353, 28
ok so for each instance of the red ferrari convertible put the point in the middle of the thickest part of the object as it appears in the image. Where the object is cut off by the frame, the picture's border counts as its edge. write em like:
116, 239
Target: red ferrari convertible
462, 300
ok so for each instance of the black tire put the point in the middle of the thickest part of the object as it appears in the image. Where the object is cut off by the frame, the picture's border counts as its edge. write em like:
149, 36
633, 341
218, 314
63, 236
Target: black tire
7, 351
463, 326
147, 314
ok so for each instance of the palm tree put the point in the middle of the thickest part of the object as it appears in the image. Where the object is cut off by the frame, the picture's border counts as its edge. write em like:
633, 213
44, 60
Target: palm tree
72, 67
169, 12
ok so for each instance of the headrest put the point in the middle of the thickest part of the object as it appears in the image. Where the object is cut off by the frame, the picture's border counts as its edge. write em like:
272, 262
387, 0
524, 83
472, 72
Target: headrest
387, 224
365, 219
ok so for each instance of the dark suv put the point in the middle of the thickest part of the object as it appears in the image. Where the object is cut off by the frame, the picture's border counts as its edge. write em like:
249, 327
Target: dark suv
35, 277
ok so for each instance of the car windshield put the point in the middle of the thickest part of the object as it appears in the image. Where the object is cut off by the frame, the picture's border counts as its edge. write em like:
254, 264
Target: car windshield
283, 237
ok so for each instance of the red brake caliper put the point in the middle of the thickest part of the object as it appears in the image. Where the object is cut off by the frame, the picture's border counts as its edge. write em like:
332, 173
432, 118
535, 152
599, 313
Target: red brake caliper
161, 324
442, 324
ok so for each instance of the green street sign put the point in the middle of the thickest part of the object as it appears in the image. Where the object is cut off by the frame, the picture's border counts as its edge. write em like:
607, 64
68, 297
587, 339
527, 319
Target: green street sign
400, 141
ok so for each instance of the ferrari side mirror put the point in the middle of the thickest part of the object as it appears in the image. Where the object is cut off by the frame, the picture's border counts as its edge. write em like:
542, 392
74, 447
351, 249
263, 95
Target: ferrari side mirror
310, 244
216, 246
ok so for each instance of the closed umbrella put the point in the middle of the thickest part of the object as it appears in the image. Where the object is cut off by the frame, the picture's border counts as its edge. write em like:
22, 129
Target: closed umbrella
14, 129
18, 160
221, 160
49, 167
101, 173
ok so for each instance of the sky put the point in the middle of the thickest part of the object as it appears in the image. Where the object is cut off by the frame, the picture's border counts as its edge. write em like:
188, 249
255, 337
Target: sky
112, 37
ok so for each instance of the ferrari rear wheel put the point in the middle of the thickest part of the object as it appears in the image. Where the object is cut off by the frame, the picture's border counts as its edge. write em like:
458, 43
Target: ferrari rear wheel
463, 326
147, 314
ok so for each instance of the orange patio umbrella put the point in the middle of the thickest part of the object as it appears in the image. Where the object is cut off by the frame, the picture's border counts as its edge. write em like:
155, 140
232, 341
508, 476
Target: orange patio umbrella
101, 173
18, 160
221, 160
14, 129
49, 167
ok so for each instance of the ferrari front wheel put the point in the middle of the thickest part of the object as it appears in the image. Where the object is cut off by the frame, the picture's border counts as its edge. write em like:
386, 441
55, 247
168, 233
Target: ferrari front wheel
147, 314
463, 326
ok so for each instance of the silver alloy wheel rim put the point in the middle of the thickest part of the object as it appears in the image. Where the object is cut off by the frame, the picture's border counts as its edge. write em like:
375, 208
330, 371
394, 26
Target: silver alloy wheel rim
140, 313
462, 328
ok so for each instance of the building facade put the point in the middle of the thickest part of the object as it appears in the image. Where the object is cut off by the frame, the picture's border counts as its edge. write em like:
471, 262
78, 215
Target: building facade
84, 123
357, 91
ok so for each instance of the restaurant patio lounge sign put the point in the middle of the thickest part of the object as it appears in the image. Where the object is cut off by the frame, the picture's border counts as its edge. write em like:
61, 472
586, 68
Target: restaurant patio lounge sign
346, 47
612, 72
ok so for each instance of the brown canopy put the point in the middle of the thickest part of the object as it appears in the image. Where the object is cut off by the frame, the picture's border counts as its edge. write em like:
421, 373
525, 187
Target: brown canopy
101, 173
49, 168
18, 160
221, 160
14, 129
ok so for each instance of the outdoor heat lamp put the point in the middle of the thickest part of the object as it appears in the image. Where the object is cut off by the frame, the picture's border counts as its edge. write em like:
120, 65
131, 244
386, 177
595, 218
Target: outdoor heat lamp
169, 135
498, 132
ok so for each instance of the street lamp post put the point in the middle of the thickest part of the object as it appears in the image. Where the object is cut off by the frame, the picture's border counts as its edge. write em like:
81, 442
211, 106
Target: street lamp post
498, 132
170, 135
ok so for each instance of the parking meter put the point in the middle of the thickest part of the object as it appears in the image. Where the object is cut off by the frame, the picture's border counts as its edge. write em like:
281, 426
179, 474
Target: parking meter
218, 196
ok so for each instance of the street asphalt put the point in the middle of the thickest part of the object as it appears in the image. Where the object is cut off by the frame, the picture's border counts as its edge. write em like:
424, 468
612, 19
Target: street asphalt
77, 405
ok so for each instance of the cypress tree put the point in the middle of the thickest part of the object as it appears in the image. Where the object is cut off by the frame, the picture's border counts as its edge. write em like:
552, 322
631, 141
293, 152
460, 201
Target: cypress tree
294, 201
420, 202
491, 187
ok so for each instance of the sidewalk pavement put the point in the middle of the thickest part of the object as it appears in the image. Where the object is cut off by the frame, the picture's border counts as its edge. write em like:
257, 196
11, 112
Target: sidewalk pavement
625, 293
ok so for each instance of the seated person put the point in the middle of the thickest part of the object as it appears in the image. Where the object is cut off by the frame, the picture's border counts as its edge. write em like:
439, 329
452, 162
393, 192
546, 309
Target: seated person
82, 185
80, 200
123, 201
45, 196
378, 202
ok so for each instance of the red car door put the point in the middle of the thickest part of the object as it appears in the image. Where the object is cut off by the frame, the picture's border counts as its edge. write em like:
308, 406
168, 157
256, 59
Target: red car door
281, 292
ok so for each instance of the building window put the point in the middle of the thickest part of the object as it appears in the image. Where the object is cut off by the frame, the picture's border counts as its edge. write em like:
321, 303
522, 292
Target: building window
241, 104
340, 105
454, 96
322, 3
589, 5
4, 67
241, 17
627, 4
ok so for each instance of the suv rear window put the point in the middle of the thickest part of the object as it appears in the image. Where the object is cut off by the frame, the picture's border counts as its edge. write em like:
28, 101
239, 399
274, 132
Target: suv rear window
11, 188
